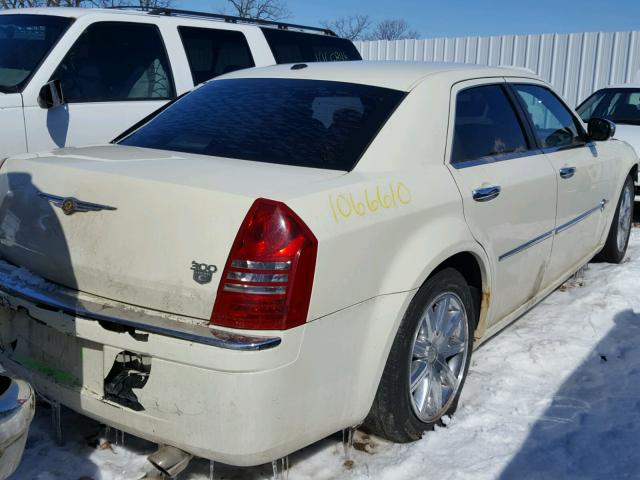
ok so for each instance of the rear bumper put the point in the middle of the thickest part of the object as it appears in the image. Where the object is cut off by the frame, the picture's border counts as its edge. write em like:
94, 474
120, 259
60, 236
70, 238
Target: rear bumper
20, 290
17, 406
238, 407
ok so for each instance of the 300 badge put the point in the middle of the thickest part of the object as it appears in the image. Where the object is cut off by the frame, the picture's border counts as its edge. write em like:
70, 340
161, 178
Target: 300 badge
203, 273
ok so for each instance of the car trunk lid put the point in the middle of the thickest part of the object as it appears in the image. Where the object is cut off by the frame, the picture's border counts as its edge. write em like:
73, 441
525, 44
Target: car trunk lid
147, 228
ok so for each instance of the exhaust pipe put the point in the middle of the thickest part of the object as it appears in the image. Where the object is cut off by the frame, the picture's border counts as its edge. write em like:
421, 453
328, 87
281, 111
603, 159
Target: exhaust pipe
170, 461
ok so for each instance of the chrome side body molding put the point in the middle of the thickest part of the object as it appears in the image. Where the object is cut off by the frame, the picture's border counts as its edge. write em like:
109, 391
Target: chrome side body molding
525, 245
581, 217
555, 231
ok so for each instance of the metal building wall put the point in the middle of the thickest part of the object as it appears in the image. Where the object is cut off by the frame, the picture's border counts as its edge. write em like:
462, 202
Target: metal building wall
576, 64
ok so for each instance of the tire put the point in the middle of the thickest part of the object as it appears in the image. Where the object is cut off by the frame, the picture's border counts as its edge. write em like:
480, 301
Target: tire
402, 414
615, 247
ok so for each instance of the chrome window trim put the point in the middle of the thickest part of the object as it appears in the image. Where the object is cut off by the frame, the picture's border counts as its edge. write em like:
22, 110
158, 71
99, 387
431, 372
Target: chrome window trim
48, 296
495, 159
555, 231
588, 144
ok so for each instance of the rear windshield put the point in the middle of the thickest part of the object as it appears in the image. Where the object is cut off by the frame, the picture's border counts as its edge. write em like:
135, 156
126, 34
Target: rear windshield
620, 105
306, 123
25, 40
297, 47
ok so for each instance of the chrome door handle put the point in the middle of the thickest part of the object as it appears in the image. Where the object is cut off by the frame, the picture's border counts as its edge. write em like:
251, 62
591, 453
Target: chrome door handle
567, 172
486, 193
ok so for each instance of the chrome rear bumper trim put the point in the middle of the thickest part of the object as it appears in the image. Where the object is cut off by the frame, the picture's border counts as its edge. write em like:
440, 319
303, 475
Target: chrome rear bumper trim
52, 297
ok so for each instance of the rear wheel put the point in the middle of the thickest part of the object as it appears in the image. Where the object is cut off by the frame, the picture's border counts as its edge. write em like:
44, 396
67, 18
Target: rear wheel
428, 361
615, 247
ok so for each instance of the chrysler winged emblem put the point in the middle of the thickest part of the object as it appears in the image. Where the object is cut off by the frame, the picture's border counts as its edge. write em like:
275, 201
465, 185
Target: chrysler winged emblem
71, 205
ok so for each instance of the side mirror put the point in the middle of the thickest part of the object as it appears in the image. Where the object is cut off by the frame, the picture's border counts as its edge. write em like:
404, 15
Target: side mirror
601, 129
51, 95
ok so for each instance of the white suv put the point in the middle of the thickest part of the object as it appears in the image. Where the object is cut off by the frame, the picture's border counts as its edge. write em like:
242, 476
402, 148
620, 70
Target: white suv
81, 76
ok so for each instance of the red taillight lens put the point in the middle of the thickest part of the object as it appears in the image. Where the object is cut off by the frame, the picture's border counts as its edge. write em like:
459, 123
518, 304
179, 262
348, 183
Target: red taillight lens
266, 283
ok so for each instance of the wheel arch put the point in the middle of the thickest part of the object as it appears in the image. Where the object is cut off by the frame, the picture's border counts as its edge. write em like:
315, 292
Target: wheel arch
473, 267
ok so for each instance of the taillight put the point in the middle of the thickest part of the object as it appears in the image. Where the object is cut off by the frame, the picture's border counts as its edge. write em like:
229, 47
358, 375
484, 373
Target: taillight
266, 283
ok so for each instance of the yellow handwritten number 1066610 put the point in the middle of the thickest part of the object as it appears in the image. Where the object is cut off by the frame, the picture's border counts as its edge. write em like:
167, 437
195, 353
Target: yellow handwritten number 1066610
369, 200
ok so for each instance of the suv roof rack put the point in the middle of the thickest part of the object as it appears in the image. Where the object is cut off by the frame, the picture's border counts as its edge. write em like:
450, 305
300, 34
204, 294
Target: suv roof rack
222, 17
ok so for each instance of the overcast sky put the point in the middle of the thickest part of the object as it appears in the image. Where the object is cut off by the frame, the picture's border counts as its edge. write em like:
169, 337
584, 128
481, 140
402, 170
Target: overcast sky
467, 17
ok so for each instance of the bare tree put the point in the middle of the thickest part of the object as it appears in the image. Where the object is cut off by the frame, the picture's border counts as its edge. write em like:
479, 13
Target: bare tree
143, 4
260, 9
353, 27
392, 29
146, 4
150, 4
5, 4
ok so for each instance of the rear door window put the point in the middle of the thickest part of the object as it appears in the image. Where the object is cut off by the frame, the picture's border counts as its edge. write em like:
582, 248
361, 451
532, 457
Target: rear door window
116, 61
306, 123
486, 126
214, 52
299, 47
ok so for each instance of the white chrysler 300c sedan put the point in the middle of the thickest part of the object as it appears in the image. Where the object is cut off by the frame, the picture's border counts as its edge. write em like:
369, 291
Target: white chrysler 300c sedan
289, 251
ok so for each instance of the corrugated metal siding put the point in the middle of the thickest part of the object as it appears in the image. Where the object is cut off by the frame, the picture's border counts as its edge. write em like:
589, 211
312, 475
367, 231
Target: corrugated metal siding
576, 64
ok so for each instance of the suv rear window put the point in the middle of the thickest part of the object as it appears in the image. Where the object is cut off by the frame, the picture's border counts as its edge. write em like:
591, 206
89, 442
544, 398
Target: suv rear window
297, 47
214, 52
306, 123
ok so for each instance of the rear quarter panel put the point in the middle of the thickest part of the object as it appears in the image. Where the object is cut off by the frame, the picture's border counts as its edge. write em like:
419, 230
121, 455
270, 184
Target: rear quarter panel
384, 227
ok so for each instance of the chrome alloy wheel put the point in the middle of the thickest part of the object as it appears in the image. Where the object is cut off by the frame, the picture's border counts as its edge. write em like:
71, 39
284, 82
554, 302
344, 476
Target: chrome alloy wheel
438, 356
624, 218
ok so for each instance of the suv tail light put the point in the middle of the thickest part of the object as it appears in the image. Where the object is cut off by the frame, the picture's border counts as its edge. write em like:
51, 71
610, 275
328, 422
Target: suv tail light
267, 280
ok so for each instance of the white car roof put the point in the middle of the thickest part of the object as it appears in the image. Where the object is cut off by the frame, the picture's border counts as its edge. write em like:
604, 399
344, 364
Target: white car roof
395, 75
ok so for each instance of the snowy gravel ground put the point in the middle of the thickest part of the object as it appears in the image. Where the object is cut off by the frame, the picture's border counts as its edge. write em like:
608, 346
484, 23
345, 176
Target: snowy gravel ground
555, 395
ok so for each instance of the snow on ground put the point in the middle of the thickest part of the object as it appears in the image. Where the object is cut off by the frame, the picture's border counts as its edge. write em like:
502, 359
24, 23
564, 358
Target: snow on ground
555, 395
